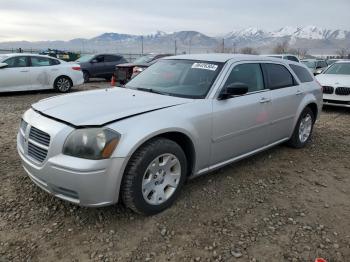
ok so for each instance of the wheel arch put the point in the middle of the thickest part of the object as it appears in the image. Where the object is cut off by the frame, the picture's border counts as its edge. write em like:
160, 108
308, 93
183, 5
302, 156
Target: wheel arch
62, 75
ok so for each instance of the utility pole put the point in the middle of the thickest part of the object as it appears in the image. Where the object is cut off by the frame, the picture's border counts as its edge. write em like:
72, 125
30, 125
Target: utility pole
223, 45
142, 45
234, 48
175, 47
189, 48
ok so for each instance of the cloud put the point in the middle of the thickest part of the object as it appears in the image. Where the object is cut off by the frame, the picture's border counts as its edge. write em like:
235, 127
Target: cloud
67, 19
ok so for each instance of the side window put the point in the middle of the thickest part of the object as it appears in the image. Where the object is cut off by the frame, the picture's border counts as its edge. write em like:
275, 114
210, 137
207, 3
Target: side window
112, 58
302, 73
37, 61
248, 74
292, 58
19, 61
100, 59
54, 62
277, 76
323, 64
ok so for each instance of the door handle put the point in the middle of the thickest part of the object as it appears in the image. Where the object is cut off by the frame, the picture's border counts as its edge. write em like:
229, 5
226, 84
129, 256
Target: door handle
265, 100
299, 92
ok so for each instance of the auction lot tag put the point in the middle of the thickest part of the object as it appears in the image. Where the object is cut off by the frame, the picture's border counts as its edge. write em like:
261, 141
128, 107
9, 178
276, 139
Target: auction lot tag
205, 66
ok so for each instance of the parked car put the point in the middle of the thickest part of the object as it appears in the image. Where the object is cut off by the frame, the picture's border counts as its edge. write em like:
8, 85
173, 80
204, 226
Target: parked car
124, 72
99, 65
21, 72
182, 117
316, 66
336, 84
284, 56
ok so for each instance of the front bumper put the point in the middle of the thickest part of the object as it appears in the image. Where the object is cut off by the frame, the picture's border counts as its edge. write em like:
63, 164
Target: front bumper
84, 182
336, 100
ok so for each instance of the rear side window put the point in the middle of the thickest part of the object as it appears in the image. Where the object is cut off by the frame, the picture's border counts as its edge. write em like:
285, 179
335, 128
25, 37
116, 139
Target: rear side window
40, 61
18, 61
302, 73
54, 62
277, 76
112, 58
248, 74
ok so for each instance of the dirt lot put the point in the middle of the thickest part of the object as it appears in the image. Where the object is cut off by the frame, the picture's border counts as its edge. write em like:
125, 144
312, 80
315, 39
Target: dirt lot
281, 205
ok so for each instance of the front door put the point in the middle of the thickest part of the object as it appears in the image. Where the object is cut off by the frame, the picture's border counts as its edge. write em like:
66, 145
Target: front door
15, 77
240, 124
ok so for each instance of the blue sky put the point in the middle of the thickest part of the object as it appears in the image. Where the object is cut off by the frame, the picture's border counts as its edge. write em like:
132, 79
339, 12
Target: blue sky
66, 19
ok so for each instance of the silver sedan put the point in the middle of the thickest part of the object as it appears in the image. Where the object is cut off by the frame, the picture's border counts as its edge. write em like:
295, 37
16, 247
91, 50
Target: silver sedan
182, 117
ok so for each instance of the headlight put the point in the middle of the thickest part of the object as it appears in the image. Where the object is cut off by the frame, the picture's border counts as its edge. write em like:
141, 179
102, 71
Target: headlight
91, 143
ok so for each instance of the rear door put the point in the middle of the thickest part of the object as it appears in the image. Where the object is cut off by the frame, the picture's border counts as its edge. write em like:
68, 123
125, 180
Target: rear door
286, 95
240, 123
43, 72
110, 62
15, 77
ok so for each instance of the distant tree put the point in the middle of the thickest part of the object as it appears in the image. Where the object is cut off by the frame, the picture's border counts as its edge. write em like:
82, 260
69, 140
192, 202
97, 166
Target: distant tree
303, 52
249, 51
343, 52
281, 48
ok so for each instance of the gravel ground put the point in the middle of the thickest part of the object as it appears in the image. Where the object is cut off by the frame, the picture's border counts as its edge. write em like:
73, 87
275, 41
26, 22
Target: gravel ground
280, 205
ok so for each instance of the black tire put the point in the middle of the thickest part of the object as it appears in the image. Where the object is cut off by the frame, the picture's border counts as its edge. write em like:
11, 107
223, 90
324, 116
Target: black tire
86, 76
63, 84
131, 189
295, 140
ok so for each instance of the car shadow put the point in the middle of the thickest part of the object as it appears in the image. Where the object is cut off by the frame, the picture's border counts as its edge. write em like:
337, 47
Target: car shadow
336, 109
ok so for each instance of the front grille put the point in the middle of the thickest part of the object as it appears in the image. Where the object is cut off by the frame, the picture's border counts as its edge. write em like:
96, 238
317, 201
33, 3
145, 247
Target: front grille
37, 152
328, 89
342, 91
39, 136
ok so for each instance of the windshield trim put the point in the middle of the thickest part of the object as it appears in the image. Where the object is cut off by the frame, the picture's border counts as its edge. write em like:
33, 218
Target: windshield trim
204, 96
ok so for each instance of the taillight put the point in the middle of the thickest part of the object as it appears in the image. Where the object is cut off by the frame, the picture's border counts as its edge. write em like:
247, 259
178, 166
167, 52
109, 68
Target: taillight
78, 68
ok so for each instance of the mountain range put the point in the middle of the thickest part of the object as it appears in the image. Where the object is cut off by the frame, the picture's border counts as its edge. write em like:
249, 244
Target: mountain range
311, 38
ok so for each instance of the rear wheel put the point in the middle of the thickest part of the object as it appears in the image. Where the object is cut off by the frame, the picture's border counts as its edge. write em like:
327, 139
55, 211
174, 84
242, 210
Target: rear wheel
154, 176
303, 129
63, 84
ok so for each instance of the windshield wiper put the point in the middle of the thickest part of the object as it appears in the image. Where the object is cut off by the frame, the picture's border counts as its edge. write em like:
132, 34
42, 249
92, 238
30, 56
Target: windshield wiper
152, 91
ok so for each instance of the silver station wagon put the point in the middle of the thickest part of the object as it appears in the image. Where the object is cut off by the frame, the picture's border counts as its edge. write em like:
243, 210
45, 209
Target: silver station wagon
182, 117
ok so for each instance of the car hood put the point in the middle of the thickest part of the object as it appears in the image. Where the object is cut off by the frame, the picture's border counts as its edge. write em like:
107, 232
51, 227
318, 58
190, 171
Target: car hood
334, 80
99, 107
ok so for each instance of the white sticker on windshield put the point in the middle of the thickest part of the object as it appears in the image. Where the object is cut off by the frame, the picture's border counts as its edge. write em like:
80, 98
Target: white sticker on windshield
206, 66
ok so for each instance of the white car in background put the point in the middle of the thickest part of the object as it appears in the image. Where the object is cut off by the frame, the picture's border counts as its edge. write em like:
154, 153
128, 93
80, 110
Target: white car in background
22, 72
335, 81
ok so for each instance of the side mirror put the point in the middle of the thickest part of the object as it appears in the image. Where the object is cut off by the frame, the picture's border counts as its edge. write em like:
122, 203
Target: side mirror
3, 65
234, 89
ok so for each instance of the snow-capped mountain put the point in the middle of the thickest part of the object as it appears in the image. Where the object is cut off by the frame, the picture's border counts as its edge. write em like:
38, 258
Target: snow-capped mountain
307, 32
312, 38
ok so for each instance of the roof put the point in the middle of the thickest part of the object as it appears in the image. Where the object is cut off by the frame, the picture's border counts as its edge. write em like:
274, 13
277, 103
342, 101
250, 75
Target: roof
214, 57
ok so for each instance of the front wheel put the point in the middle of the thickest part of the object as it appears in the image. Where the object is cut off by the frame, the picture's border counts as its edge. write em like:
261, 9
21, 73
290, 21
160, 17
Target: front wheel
303, 129
63, 84
154, 176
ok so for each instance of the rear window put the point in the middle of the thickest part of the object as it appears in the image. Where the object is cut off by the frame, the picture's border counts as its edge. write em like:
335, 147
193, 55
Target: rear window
302, 73
277, 76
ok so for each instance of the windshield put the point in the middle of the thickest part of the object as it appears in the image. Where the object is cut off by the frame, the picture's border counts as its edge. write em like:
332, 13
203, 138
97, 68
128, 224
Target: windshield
339, 69
84, 58
309, 64
144, 59
3, 57
183, 78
